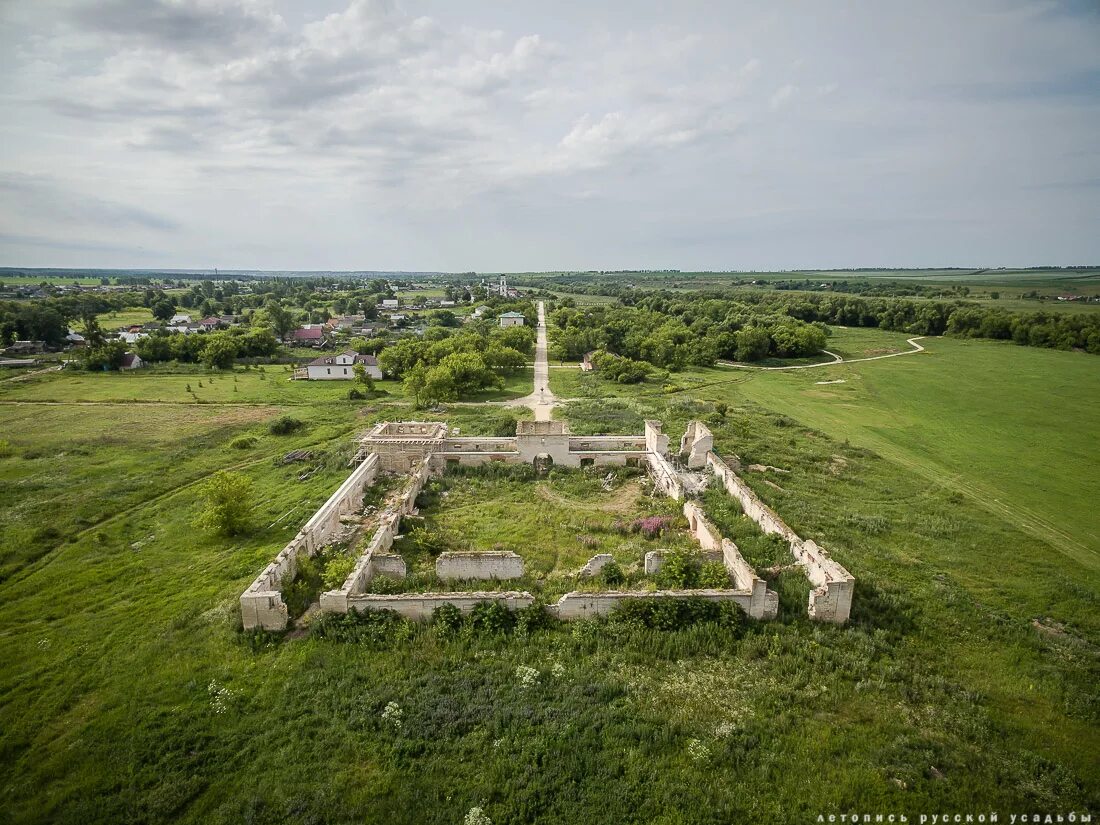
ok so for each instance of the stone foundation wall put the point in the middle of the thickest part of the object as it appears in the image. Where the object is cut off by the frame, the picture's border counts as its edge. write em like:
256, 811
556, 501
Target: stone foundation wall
388, 526
490, 565
696, 443
420, 606
664, 476
831, 598
579, 605
655, 439
262, 603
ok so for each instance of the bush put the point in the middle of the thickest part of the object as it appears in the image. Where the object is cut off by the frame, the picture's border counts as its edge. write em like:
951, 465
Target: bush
533, 617
491, 617
337, 570
228, 499
244, 442
679, 571
501, 425
385, 585
6, 449
674, 614
713, 576
427, 541
447, 619
356, 395
612, 575
285, 425
299, 593
376, 628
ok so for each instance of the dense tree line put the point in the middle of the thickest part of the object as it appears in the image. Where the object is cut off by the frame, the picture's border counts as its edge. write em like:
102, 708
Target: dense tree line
1059, 330
48, 319
673, 333
734, 310
215, 349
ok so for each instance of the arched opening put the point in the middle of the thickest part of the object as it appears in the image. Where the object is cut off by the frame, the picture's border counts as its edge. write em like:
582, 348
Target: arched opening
543, 463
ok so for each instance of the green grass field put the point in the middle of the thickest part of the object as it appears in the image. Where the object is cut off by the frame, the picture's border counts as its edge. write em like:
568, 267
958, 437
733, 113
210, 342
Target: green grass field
165, 384
127, 317
573, 518
966, 680
1007, 426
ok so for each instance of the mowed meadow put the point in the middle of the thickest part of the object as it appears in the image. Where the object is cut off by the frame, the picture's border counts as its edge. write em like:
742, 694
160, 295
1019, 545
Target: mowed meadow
966, 680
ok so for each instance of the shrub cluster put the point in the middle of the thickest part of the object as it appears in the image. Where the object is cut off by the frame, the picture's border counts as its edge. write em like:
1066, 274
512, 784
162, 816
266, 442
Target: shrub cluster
285, 425
683, 570
673, 614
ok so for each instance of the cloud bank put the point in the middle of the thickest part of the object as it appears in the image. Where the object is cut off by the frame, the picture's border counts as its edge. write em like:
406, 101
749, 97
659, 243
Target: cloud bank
424, 135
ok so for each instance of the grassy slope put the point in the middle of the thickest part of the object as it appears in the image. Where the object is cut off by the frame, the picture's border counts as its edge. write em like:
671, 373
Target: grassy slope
111, 640
1011, 426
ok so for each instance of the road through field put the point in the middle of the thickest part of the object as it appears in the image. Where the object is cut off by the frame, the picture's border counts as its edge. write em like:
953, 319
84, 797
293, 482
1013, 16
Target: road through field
541, 400
836, 359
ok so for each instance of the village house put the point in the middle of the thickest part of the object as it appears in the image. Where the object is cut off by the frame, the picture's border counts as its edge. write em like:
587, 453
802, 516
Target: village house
344, 322
339, 367
511, 319
131, 361
179, 319
26, 348
389, 303
310, 335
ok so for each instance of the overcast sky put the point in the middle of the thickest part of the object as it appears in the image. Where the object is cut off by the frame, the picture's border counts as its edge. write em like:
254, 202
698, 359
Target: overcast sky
574, 134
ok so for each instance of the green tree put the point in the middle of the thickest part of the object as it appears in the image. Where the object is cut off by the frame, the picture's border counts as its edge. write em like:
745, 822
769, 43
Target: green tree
363, 377
753, 344
227, 501
415, 384
106, 357
282, 319
164, 309
219, 351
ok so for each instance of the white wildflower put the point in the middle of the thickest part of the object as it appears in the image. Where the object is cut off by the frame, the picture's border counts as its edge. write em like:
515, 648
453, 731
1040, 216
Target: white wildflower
528, 676
476, 816
724, 729
220, 696
698, 751
392, 714
558, 670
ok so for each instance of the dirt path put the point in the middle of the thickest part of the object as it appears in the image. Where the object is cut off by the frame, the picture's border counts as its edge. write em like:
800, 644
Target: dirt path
836, 359
25, 375
541, 400
618, 502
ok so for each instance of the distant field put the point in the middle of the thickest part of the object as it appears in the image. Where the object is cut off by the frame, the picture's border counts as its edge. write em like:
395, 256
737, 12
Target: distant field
34, 280
124, 318
158, 384
1014, 427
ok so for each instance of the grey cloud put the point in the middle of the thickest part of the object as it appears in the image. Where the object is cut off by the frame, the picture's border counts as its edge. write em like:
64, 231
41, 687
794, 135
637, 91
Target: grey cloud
699, 134
50, 201
186, 25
